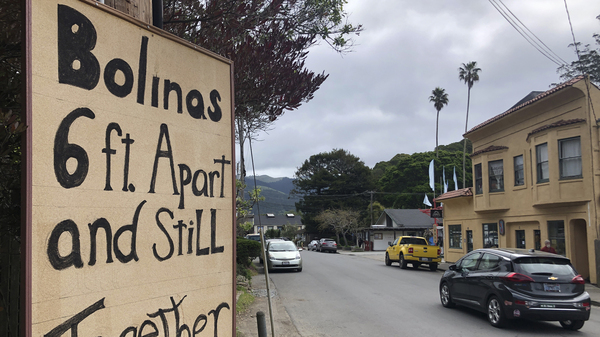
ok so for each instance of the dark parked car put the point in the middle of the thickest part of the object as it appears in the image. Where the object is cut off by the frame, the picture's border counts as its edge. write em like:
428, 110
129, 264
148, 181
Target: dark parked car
517, 283
327, 245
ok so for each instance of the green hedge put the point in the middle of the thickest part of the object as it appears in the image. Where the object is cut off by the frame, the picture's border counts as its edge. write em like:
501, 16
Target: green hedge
247, 250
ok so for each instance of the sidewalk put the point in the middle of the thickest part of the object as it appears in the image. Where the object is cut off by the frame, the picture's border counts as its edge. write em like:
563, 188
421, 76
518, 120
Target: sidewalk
593, 290
246, 323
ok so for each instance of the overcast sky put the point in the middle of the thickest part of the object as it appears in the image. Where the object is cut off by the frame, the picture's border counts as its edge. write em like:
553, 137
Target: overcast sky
375, 102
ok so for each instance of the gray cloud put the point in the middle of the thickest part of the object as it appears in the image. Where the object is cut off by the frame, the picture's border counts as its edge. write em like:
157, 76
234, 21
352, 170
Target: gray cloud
375, 102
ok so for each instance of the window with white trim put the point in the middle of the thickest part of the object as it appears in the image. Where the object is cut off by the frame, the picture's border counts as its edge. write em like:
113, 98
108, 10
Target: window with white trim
496, 175
569, 154
543, 171
519, 172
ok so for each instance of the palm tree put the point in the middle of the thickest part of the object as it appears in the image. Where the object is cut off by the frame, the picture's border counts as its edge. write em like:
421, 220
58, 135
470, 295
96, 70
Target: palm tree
439, 97
468, 73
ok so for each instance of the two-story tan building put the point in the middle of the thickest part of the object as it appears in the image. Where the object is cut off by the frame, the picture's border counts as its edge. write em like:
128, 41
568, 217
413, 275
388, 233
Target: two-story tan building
536, 172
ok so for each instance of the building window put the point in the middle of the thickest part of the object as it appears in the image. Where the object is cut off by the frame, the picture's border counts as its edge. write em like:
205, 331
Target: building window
490, 235
455, 236
569, 152
556, 235
496, 170
478, 180
541, 153
519, 173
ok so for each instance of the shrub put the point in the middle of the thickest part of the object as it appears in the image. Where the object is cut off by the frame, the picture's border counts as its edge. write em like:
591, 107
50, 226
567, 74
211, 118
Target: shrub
247, 250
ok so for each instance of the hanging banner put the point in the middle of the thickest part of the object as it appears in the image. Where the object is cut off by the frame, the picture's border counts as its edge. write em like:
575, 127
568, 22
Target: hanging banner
132, 178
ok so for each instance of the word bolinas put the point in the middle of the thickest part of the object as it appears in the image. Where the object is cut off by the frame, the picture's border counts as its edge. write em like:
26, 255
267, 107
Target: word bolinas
148, 328
78, 66
60, 262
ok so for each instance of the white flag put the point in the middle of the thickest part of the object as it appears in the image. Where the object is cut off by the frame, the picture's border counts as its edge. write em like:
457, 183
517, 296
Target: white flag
426, 201
431, 178
445, 187
455, 184
444, 179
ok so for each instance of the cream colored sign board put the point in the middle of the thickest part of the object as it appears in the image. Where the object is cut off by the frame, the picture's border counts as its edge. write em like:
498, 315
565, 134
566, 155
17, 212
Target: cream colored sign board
132, 179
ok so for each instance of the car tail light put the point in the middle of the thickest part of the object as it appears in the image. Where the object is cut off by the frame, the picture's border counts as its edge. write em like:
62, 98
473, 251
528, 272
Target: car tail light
439, 252
582, 305
517, 278
410, 250
578, 280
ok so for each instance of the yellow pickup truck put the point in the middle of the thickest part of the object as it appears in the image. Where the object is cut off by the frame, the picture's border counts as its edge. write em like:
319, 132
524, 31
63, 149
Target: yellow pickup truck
414, 250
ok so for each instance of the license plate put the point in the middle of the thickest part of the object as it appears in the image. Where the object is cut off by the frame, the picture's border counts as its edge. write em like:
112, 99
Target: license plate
547, 306
554, 288
285, 263
424, 259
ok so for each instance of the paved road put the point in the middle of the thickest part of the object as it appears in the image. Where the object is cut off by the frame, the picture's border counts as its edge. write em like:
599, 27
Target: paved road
344, 295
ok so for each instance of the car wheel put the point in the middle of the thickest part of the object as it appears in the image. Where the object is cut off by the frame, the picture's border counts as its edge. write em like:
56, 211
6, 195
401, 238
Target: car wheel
433, 266
402, 262
495, 313
387, 260
445, 296
572, 325
416, 265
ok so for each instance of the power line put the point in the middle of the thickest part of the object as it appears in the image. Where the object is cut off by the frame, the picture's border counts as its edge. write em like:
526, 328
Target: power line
524, 32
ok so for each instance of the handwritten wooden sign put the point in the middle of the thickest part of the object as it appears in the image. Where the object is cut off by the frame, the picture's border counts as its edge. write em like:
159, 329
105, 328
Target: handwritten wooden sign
132, 179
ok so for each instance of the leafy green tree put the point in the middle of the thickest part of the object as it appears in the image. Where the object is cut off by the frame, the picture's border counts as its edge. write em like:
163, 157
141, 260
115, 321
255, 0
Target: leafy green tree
328, 181
272, 233
268, 40
588, 62
244, 207
406, 183
289, 231
340, 221
468, 73
439, 97
373, 213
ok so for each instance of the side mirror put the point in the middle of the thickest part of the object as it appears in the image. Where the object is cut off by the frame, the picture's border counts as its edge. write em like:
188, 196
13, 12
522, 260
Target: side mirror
452, 267
390, 243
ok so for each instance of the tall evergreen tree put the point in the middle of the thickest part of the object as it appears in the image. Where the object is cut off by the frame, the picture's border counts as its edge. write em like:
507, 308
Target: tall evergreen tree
439, 97
468, 73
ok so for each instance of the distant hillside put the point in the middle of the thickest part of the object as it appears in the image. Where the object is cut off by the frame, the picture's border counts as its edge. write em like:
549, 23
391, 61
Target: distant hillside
276, 192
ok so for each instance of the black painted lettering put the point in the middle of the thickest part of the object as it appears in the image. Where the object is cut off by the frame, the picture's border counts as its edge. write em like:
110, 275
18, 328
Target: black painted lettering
73, 322
63, 151
211, 177
190, 238
109, 151
154, 99
149, 323
180, 227
185, 177
142, 70
77, 66
133, 229
172, 86
57, 261
213, 233
204, 190
164, 230
215, 115
164, 132
200, 318
197, 110
216, 314
110, 71
223, 162
126, 186
130, 330
199, 251
93, 227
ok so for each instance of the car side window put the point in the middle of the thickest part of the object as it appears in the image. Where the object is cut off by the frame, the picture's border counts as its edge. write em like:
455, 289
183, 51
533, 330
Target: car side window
469, 262
403, 242
395, 241
489, 262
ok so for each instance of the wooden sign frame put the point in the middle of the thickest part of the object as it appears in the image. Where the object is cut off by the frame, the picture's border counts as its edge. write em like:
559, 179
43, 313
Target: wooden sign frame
146, 248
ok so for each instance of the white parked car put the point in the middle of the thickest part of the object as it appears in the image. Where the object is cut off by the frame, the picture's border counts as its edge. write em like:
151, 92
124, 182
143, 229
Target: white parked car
283, 255
313, 245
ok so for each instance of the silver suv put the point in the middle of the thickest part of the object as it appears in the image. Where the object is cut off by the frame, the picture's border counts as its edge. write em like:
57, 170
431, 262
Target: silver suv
327, 245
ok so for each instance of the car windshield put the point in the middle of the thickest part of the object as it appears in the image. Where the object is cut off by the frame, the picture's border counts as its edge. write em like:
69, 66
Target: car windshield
283, 246
544, 266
